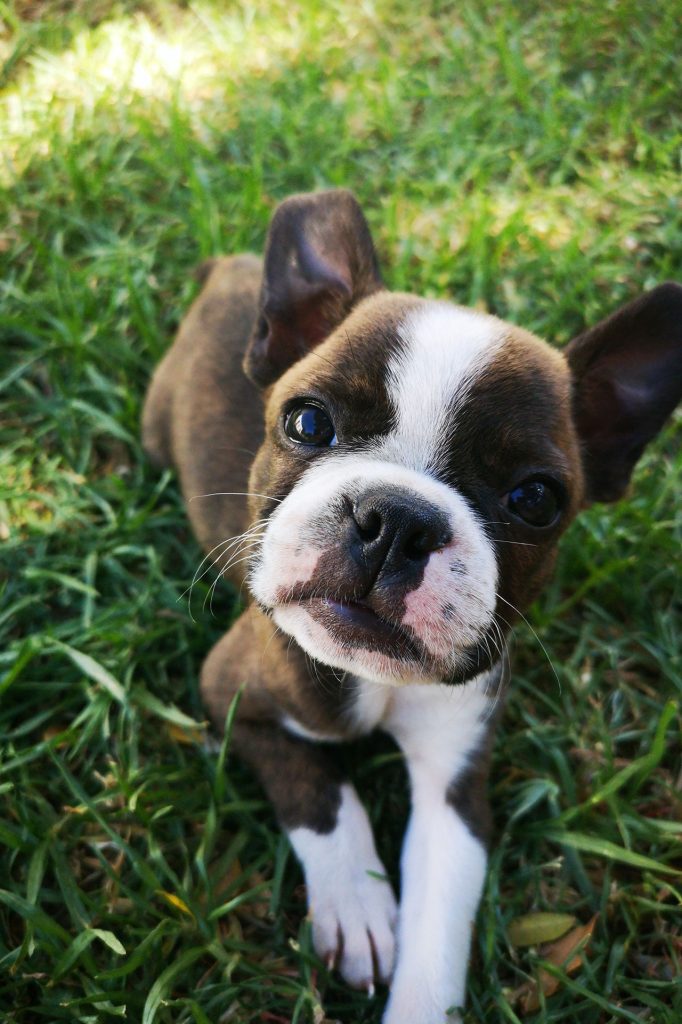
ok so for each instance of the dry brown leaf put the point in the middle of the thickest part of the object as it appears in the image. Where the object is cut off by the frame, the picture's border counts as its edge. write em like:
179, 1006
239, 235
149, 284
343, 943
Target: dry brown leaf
186, 735
567, 952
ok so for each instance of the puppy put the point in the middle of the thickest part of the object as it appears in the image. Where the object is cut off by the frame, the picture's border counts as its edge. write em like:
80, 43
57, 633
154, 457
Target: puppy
410, 466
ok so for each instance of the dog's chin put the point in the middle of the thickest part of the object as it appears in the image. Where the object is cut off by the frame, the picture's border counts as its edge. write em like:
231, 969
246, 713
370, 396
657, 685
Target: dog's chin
350, 636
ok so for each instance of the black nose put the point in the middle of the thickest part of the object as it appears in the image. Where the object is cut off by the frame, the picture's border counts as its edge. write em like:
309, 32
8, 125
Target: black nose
396, 531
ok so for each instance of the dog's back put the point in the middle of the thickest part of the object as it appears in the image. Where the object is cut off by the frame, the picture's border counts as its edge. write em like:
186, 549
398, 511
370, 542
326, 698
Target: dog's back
202, 414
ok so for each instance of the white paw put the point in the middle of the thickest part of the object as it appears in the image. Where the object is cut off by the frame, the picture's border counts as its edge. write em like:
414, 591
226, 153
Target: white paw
353, 913
353, 927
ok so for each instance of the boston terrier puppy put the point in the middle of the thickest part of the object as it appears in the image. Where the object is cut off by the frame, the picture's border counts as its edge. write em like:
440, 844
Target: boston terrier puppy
410, 466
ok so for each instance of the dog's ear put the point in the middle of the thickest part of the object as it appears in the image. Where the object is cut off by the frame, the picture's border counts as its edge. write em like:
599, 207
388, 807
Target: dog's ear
627, 379
319, 262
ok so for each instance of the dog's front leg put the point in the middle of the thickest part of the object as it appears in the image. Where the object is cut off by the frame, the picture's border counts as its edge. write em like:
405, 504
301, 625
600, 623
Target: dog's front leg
352, 906
443, 734
443, 870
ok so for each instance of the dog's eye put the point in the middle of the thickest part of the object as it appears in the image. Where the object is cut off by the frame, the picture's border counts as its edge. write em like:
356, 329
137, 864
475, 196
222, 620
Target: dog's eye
536, 502
310, 424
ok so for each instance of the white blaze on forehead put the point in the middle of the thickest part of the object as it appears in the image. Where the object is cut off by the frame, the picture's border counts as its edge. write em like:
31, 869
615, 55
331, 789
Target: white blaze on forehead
445, 349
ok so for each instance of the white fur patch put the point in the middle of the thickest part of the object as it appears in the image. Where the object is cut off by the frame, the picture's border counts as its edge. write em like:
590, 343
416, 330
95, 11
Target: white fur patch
445, 349
296, 728
297, 562
352, 911
437, 727
369, 706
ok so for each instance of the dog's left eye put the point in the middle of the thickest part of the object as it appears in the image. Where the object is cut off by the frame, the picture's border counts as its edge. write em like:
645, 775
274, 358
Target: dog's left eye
310, 424
536, 502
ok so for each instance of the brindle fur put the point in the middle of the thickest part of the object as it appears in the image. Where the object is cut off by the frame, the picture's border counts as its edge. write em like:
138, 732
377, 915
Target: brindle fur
201, 414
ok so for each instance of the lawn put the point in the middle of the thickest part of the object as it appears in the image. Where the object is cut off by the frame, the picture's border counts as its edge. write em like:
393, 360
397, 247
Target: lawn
517, 156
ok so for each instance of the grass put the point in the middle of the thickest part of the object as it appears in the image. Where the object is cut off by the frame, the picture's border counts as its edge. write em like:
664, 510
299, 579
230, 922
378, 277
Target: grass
520, 157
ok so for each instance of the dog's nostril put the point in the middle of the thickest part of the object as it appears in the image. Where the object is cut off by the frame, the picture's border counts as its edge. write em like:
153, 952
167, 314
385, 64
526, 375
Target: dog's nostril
369, 525
423, 541
417, 545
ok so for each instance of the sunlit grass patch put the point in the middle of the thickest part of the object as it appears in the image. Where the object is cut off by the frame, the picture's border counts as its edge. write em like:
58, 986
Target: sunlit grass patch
154, 58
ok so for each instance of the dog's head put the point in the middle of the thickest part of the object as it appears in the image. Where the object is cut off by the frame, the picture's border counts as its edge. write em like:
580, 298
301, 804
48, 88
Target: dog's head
421, 460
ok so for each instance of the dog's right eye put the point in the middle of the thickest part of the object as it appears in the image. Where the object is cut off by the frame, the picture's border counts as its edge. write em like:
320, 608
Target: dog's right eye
310, 424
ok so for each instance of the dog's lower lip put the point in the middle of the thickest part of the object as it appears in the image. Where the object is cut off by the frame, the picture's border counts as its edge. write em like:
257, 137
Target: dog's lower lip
356, 624
357, 613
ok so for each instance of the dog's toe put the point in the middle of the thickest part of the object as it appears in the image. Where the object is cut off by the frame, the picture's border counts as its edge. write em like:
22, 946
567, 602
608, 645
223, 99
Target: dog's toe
353, 930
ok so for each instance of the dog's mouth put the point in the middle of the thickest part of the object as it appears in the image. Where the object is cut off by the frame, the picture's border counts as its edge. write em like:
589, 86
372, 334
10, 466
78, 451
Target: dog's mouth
355, 625
355, 630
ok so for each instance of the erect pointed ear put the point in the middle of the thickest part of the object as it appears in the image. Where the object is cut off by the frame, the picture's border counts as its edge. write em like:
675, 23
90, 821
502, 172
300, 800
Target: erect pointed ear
627, 379
319, 262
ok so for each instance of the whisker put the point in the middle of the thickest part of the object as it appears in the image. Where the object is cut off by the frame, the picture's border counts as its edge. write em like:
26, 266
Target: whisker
533, 631
499, 643
521, 543
237, 494
226, 545
214, 585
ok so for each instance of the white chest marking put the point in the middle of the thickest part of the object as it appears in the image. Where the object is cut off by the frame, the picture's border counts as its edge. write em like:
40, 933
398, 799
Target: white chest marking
445, 349
439, 726
369, 706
